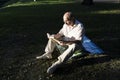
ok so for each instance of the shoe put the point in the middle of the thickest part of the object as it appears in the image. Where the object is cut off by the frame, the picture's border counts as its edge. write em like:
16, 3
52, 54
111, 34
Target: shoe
45, 56
52, 68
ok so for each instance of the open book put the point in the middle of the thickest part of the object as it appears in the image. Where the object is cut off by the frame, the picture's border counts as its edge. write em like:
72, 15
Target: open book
52, 37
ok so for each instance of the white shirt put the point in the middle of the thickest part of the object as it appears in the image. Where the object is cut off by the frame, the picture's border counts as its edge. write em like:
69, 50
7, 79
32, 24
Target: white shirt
75, 32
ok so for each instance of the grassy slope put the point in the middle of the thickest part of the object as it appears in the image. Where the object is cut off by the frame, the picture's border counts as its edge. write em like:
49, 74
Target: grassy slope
23, 28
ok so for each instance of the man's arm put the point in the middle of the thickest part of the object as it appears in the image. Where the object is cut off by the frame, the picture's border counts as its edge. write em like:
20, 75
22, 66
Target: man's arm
58, 38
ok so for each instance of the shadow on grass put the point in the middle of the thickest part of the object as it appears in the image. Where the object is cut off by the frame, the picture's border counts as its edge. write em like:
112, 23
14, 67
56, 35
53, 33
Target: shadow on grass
68, 68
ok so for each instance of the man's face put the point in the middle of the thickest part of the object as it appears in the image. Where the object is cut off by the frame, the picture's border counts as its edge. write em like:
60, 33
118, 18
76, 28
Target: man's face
66, 21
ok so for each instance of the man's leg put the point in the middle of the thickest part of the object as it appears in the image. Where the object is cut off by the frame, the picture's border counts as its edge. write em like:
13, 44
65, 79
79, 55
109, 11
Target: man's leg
48, 50
63, 58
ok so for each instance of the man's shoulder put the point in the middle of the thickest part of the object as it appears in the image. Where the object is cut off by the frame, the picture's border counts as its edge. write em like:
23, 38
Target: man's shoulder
78, 22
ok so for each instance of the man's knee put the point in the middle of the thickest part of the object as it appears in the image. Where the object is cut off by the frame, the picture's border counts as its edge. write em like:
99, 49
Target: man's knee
73, 45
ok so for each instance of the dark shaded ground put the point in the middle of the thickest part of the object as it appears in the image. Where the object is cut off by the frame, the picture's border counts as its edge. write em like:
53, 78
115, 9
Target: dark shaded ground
2, 2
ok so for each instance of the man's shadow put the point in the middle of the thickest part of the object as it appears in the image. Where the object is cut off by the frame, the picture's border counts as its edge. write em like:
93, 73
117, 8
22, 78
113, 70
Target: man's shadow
69, 67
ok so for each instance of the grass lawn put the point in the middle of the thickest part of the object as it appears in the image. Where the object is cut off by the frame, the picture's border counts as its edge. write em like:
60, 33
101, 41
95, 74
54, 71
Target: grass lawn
23, 28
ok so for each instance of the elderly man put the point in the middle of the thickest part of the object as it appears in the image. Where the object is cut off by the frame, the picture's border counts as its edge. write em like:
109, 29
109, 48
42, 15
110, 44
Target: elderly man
70, 35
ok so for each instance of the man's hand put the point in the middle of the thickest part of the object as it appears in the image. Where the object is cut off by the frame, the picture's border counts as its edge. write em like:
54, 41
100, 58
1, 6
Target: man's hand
58, 36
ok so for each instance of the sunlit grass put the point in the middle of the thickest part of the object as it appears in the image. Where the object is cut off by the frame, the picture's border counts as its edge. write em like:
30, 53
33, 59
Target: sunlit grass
107, 12
32, 3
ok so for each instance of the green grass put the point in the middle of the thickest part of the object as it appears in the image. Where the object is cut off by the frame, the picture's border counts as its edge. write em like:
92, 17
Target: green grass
23, 28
